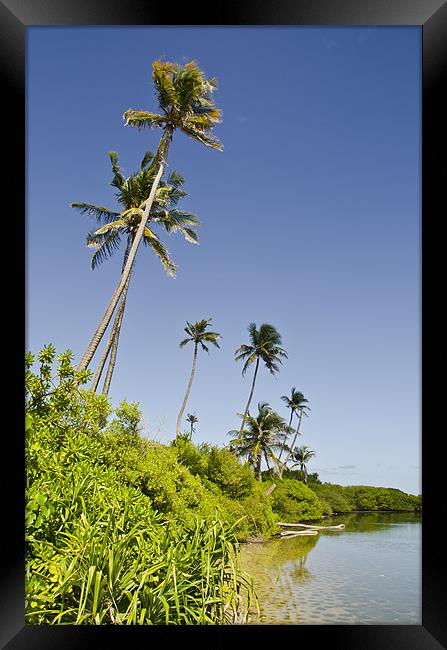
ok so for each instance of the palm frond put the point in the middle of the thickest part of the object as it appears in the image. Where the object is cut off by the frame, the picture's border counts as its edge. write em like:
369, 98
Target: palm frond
150, 239
102, 215
143, 119
118, 178
105, 245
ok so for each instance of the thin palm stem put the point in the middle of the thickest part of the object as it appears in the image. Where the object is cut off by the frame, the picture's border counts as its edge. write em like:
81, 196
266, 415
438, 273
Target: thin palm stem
290, 424
251, 394
297, 433
185, 399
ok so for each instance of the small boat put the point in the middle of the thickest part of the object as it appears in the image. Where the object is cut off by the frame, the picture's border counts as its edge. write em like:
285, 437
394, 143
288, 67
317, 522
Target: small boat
286, 525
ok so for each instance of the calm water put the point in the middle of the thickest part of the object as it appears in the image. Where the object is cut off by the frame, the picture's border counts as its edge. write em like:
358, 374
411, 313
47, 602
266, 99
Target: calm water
369, 573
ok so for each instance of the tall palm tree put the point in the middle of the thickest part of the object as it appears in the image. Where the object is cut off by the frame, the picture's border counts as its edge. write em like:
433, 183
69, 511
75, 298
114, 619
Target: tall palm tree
264, 345
197, 334
297, 404
131, 193
185, 99
192, 419
301, 456
263, 434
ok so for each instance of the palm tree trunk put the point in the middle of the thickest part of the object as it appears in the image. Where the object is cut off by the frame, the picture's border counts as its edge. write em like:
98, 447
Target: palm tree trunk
185, 399
116, 328
290, 424
105, 354
251, 394
258, 466
96, 339
297, 433
114, 349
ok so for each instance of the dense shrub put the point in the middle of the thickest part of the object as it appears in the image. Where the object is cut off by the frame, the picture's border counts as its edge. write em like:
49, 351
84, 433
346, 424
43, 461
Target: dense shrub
294, 501
365, 497
332, 497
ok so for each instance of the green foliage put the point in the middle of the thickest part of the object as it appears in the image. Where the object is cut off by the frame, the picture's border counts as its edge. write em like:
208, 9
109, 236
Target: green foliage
294, 501
234, 479
339, 498
333, 498
190, 456
102, 543
365, 497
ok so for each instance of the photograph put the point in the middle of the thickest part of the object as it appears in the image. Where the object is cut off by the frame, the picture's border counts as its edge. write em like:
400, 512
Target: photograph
223, 415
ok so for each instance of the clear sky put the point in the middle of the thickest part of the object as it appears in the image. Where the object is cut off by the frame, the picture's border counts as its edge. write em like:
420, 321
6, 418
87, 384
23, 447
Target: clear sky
310, 221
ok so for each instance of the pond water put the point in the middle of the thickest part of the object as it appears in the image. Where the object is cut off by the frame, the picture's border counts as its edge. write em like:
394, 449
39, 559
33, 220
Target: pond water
369, 573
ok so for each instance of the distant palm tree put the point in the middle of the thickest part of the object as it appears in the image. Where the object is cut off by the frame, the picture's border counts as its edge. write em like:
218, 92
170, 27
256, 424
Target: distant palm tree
192, 419
198, 335
131, 195
301, 456
264, 345
263, 435
185, 99
297, 404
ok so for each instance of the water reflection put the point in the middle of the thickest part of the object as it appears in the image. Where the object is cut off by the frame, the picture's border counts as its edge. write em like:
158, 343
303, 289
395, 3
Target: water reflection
368, 573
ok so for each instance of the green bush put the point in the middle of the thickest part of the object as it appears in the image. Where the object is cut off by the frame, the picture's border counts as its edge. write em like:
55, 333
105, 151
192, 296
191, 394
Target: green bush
332, 497
225, 470
293, 501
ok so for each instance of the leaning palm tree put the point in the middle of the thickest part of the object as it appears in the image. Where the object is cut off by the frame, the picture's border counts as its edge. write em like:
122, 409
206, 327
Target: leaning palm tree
301, 456
130, 195
192, 419
197, 334
264, 345
185, 99
263, 435
297, 404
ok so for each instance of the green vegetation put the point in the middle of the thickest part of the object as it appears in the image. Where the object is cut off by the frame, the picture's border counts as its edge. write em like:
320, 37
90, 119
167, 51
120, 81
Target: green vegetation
117, 528
339, 498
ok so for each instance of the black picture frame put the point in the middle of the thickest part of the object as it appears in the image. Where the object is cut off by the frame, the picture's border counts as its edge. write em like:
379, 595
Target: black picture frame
431, 16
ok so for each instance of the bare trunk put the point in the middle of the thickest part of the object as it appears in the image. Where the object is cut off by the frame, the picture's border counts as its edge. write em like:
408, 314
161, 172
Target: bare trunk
185, 399
116, 328
297, 433
114, 349
290, 424
251, 394
96, 339
105, 354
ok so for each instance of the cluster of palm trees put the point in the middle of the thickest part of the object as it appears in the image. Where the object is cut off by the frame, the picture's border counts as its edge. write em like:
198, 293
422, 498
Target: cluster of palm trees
147, 201
264, 435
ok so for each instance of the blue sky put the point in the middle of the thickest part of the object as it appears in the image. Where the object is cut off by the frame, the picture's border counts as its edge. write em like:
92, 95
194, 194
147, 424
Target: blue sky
310, 221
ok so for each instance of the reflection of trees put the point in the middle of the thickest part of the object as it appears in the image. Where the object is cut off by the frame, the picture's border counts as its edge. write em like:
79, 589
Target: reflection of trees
300, 571
277, 567
371, 522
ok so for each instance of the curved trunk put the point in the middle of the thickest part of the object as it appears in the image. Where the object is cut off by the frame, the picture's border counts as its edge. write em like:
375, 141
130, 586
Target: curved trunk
116, 328
297, 433
96, 339
185, 399
290, 424
105, 354
251, 394
116, 337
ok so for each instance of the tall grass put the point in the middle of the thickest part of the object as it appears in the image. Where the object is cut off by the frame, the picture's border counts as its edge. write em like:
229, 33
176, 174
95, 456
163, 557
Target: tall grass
97, 553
